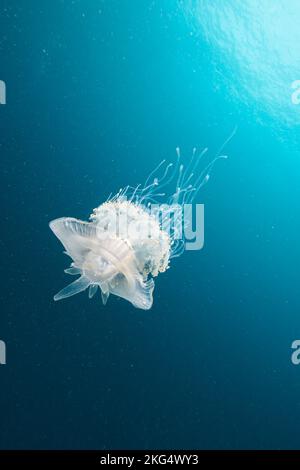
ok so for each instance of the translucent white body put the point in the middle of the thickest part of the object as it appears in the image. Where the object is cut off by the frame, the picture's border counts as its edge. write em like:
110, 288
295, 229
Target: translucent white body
124, 246
119, 265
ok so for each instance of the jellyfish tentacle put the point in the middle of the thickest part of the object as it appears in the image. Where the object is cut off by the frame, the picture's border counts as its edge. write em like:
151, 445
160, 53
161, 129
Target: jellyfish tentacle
73, 271
92, 290
75, 287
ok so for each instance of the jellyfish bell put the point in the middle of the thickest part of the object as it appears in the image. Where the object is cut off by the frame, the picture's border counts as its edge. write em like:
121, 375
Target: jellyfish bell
117, 261
107, 262
132, 237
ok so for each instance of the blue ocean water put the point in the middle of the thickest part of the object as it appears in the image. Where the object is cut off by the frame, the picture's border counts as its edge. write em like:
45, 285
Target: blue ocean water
98, 93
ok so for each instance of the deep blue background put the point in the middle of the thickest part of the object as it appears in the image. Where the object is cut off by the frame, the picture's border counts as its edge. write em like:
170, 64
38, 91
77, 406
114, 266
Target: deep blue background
98, 92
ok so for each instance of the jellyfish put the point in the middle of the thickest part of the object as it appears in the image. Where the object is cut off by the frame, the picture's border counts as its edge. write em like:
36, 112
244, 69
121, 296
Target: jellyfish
132, 237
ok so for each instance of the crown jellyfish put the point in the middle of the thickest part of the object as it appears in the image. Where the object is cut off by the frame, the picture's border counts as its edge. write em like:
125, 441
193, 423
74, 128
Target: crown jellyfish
125, 245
